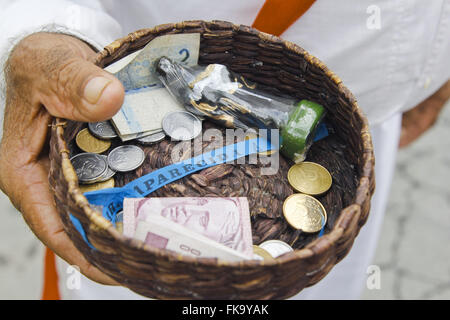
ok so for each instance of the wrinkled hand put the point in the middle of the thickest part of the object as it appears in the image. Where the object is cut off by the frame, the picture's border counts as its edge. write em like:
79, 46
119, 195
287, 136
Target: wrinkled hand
418, 120
49, 75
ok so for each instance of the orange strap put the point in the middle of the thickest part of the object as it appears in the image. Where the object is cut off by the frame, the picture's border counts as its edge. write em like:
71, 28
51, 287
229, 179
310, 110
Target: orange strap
276, 16
50, 290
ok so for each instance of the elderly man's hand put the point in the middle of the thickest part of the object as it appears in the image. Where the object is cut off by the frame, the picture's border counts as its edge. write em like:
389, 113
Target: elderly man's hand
418, 120
49, 75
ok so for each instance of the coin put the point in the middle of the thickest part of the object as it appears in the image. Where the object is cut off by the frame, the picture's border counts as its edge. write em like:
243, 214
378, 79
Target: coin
88, 166
304, 212
276, 248
261, 254
153, 138
109, 173
310, 178
102, 130
181, 125
87, 142
126, 158
97, 186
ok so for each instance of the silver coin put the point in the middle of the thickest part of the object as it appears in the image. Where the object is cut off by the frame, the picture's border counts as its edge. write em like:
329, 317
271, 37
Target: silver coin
109, 173
151, 139
276, 248
126, 158
89, 167
102, 130
181, 125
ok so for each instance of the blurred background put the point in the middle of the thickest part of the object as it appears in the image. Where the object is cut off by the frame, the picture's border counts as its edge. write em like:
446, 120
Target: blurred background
413, 251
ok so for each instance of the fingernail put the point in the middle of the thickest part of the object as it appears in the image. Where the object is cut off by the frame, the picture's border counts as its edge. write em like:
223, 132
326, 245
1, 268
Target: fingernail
94, 88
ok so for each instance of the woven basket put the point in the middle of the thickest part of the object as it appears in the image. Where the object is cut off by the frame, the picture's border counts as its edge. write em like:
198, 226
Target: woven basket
277, 66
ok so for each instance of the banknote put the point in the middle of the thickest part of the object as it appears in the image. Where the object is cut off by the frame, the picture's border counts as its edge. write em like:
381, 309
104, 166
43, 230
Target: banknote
122, 63
133, 136
138, 69
143, 111
146, 100
225, 220
163, 233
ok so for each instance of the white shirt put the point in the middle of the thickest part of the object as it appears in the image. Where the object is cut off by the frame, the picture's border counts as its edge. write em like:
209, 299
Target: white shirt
390, 54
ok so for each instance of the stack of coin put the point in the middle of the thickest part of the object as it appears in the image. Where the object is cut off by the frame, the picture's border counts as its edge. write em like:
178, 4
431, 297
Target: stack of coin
109, 173
89, 167
95, 171
102, 130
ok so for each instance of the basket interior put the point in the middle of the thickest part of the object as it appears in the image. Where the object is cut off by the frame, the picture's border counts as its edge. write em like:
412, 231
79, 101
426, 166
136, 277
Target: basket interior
279, 70
266, 194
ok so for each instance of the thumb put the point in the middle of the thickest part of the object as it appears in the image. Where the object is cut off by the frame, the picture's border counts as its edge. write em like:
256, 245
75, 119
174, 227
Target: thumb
80, 90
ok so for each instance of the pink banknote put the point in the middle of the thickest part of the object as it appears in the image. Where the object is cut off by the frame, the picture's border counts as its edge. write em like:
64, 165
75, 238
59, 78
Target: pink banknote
163, 233
225, 220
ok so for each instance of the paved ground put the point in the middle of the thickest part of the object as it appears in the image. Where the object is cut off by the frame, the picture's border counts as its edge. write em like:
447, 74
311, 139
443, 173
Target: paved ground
413, 253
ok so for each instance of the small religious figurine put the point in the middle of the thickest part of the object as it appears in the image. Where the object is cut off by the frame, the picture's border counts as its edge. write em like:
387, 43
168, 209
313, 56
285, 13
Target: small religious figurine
226, 98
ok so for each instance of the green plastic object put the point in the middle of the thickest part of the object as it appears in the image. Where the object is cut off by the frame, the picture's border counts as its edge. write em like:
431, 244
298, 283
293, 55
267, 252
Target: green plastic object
297, 135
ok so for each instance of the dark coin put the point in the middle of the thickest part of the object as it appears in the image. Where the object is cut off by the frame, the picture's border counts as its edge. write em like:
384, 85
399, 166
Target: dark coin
109, 173
89, 167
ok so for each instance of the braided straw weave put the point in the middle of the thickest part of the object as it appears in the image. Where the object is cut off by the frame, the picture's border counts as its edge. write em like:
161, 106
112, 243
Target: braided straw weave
277, 66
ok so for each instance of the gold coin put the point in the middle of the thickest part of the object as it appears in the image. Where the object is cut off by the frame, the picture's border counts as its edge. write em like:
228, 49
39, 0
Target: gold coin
310, 178
97, 186
88, 143
304, 212
262, 253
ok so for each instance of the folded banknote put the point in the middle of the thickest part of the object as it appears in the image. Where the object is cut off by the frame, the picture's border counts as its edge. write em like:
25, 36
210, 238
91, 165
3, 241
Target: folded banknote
146, 100
224, 220
163, 233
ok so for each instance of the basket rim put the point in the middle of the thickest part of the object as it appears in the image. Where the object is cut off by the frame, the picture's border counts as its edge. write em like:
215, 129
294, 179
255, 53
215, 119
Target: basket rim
348, 215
